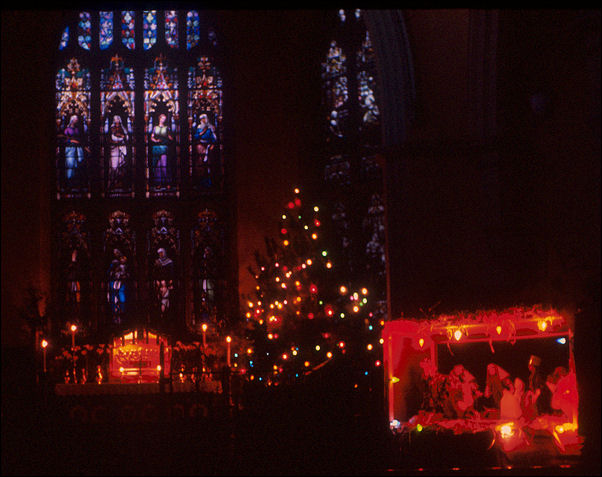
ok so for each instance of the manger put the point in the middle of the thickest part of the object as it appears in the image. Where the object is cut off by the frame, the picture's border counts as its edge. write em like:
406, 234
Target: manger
502, 380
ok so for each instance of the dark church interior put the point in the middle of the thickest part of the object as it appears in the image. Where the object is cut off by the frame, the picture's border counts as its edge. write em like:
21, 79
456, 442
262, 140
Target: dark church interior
488, 144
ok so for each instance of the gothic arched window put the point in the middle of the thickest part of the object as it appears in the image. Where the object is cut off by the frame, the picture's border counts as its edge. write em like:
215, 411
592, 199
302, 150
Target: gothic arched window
352, 136
139, 151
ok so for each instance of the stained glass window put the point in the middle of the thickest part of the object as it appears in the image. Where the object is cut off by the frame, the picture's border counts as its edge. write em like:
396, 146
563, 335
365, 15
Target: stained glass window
366, 71
207, 250
171, 28
73, 121
106, 30
374, 227
117, 135
205, 118
119, 269
84, 31
64, 39
127, 29
75, 269
351, 128
149, 28
162, 112
163, 253
334, 75
193, 29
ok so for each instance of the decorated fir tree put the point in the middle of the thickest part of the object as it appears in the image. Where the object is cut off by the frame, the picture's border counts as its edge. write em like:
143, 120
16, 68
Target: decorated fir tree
304, 316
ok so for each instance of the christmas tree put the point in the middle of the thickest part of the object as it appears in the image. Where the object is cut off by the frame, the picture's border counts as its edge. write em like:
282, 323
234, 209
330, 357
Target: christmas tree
303, 315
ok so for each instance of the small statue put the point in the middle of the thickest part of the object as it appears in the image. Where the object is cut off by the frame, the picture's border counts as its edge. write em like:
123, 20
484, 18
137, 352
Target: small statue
98, 375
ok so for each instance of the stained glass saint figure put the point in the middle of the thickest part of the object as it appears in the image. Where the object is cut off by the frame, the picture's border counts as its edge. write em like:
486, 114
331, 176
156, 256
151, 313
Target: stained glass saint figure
164, 279
74, 150
205, 139
117, 295
161, 140
118, 152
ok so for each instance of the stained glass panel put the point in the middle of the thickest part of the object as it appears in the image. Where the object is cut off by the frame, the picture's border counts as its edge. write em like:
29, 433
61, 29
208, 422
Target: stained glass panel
119, 261
162, 138
106, 30
205, 118
127, 29
149, 28
374, 227
338, 171
64, 39
207, 251
366, 83
73, 121
84, 30
334, 71
193, 29
171, 28
163, 243
212, 37
352, 130
75, 268
117, 133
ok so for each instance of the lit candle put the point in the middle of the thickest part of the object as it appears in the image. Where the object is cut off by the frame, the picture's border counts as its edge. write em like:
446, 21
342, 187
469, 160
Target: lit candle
204, 328
73, 330
44, 345
228, 340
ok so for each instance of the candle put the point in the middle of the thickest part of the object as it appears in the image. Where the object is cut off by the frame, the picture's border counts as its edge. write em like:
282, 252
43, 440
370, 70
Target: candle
44, 345
228, 340
204, 328
73, 329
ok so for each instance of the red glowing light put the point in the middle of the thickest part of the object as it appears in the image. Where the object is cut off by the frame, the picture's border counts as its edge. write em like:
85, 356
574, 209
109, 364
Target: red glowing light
317, 223
283, 231
298, 202
310, 316
290, 205
313, 288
